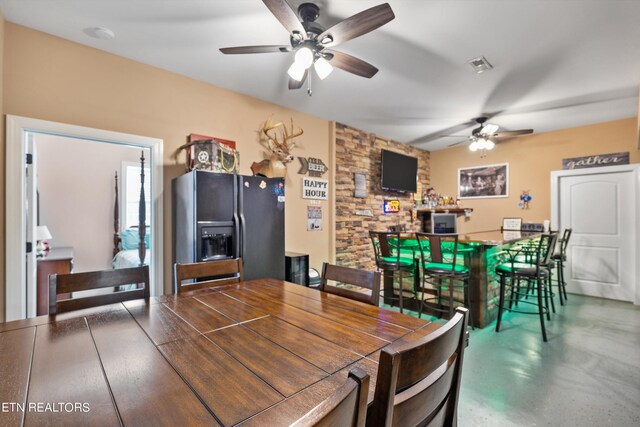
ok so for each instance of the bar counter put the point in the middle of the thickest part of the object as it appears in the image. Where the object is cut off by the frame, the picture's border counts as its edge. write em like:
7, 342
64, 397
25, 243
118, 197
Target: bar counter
482, 252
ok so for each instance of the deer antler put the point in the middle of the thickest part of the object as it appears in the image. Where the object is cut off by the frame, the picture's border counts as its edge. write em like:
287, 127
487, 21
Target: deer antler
294, 134
287, 135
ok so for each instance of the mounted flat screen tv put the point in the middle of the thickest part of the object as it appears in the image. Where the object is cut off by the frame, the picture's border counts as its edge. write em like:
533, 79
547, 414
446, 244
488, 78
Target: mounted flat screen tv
399, 172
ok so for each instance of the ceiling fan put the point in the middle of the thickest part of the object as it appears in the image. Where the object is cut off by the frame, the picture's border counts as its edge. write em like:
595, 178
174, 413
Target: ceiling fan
486, 135
311, 42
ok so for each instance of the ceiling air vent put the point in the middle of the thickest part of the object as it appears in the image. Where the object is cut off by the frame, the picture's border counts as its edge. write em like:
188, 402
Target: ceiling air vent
480, 64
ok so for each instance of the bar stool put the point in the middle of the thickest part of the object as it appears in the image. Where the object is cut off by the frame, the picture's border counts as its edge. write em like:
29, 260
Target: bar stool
438, 254
389, 258
560, 257
535, 271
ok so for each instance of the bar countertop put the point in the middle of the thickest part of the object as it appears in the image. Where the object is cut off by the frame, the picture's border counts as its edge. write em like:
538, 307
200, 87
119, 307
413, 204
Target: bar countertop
496, 237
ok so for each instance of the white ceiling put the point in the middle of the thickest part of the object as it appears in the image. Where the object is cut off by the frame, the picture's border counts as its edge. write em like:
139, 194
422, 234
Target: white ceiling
557, 63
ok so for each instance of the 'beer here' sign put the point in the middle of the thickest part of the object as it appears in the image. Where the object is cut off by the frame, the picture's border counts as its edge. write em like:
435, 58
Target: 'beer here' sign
315, 188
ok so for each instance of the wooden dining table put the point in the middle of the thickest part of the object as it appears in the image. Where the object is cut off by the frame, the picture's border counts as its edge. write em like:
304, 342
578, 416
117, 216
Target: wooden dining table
259, 353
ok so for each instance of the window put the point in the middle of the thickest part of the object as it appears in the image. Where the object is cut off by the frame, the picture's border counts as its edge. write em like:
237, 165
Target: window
130, 194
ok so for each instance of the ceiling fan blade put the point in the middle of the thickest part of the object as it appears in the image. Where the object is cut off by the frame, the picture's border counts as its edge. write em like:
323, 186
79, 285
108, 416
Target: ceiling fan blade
512, 133
352, 64
287, 17
254, 49
458, 143
358, 24
294, 84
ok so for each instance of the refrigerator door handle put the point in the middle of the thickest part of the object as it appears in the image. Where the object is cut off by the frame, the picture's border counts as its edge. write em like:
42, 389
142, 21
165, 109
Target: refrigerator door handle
243, 225
236, 220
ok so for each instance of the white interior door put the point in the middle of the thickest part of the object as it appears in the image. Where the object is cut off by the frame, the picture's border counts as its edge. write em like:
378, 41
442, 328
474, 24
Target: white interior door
600, 207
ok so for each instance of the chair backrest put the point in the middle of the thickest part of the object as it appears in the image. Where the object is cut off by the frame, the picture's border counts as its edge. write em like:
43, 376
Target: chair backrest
418, 382
544, 249
386, 248
347, 406
566, 235
76, 282
351, 276
215, 273
434, 246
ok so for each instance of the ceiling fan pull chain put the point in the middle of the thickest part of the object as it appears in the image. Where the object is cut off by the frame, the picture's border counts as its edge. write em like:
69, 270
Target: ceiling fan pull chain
309, 91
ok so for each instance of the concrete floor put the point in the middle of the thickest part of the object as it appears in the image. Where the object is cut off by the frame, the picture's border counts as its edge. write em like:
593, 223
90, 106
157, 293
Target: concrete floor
588, 374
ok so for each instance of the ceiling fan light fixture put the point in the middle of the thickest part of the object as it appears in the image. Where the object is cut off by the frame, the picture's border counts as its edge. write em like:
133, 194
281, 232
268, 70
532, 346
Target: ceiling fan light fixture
296, 71
474, 146
323, 68
304, 57
489, 144
326, 40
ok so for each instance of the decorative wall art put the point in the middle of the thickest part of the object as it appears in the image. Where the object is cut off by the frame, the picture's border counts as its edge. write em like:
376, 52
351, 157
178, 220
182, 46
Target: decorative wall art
525, 199
312, 166
483, 181
279, 141
314, 218
315, 188
598, 160
360, 181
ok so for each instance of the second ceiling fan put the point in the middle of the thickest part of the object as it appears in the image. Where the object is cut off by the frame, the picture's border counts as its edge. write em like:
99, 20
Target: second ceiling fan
311, 42
486, 136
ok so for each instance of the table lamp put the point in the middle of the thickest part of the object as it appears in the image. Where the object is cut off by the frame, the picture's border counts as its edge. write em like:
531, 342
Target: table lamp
42, 234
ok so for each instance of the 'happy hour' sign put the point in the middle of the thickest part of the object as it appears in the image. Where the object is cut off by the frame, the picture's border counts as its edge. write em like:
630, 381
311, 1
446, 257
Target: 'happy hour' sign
598, 160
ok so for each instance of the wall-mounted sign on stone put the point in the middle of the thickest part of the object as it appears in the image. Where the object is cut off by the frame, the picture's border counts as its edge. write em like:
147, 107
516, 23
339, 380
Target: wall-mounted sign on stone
391, 206
598, 160
315, 188
313, 166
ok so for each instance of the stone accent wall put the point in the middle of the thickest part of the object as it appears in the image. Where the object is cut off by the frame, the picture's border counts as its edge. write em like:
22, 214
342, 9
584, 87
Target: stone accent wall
360, 152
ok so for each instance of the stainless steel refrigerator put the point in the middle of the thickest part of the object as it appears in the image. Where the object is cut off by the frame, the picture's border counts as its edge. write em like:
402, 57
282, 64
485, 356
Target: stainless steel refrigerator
218, 216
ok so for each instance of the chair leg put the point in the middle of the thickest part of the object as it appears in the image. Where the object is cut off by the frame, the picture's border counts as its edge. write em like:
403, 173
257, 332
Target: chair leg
514, 288
542, 286
450, 299
550, 290
500, 303
559, 280
564, 284
467, 301
401, 290
541, 312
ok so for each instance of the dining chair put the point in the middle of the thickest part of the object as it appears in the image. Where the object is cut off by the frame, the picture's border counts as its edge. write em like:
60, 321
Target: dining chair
442, 273
390, 258
537, 271
351, 276
560, 258
207, 274
418, 382
93, 280
347, 406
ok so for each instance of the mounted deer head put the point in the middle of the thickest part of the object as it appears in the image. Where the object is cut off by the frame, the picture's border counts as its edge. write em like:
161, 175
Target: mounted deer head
279, 143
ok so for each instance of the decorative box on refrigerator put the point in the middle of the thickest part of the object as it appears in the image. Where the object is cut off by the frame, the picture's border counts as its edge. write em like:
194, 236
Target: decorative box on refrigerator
218, 216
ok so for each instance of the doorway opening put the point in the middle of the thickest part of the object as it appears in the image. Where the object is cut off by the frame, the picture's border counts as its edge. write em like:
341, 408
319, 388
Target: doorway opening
46, 162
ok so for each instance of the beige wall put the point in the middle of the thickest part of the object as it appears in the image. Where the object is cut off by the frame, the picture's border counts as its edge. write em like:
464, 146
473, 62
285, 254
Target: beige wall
531, 160
53, 79
77, 195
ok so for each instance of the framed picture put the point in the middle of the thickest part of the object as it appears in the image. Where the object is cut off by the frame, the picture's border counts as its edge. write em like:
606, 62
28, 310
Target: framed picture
512, 224
483, 181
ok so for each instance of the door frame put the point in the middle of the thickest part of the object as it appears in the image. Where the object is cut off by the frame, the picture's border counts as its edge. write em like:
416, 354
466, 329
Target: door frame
555, 204
15, 190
